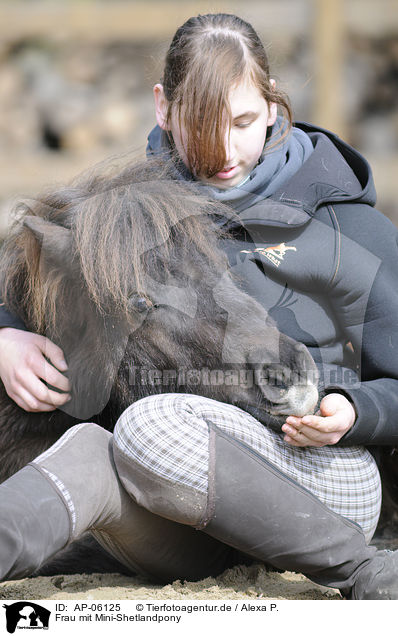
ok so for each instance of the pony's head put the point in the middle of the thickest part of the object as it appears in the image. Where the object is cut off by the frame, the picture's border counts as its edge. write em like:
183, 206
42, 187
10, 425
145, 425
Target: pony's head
129, 260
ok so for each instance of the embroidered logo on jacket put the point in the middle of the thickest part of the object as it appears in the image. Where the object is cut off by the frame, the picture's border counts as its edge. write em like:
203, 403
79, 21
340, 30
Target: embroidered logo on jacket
275, 253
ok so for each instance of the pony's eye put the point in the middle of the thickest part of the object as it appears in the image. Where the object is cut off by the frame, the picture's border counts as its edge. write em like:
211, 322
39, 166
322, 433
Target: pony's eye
140, 303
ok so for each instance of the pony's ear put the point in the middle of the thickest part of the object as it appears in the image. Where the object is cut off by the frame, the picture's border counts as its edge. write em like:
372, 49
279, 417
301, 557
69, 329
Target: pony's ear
56, 241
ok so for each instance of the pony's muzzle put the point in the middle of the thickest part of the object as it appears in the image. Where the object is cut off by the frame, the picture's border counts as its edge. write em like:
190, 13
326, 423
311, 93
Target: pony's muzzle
298, 400
290, 386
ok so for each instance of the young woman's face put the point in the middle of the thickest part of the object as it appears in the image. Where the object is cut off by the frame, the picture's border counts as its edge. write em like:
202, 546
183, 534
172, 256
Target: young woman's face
244, 141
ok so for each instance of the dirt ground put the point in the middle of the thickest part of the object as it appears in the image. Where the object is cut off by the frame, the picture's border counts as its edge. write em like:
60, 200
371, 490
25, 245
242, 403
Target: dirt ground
240, 582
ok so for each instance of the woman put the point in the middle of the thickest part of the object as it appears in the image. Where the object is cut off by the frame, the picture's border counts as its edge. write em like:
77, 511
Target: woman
309, 239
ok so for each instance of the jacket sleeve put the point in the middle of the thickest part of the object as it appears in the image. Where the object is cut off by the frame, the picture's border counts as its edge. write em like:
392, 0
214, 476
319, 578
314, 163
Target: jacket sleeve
9, 320
364, 295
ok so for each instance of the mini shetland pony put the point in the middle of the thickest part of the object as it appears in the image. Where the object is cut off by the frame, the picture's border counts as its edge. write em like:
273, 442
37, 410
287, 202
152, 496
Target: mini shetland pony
124, 271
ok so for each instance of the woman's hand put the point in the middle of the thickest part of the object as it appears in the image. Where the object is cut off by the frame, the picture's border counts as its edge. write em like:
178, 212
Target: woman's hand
335, 417
23, 366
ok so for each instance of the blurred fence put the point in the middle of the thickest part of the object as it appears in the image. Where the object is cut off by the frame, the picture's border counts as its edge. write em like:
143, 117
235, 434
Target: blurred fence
76, 79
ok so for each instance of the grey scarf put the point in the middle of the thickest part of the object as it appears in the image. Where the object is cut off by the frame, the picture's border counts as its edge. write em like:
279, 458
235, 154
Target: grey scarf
276, 166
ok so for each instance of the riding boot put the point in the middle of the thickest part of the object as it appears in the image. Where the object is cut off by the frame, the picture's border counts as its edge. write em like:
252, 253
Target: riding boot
34, 523
74, 487
255, 508
69, 489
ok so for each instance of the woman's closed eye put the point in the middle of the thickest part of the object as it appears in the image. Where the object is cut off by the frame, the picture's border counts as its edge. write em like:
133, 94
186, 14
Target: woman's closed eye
243, 124
245, 120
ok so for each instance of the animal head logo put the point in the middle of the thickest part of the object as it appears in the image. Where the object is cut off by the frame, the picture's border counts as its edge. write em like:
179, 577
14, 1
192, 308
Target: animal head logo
274, 253
26, 615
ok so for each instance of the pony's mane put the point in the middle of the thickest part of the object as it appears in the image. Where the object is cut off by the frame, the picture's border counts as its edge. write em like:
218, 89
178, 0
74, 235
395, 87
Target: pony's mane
117, 215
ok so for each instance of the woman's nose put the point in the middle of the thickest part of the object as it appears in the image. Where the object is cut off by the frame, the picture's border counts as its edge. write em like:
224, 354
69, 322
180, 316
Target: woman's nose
228, 146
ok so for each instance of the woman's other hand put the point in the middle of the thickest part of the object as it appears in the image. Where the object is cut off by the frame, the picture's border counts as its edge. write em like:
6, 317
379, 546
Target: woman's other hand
26, 359
335, 417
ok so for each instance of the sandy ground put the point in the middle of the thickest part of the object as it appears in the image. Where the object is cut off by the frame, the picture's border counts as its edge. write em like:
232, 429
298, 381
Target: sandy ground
240, 582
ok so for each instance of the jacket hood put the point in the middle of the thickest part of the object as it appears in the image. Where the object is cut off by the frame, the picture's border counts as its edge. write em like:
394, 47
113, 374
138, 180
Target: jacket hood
333, 173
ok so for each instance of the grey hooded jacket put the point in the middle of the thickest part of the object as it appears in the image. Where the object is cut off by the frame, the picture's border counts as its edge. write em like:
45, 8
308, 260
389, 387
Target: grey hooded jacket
324, 263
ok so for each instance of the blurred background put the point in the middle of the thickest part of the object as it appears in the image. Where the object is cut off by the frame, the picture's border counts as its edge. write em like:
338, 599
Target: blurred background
76, 79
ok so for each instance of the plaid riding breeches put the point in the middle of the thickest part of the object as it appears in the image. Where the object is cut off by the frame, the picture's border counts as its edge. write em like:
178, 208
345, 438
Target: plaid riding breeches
167, 436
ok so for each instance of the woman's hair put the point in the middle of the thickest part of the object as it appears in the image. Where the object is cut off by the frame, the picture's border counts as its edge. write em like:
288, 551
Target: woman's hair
209, 55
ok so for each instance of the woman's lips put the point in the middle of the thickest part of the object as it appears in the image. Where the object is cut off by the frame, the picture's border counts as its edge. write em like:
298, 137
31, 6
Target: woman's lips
227, 173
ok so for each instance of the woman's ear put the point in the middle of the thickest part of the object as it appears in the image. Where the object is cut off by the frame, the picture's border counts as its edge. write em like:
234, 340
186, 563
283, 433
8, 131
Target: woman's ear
161, 106
272, 107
